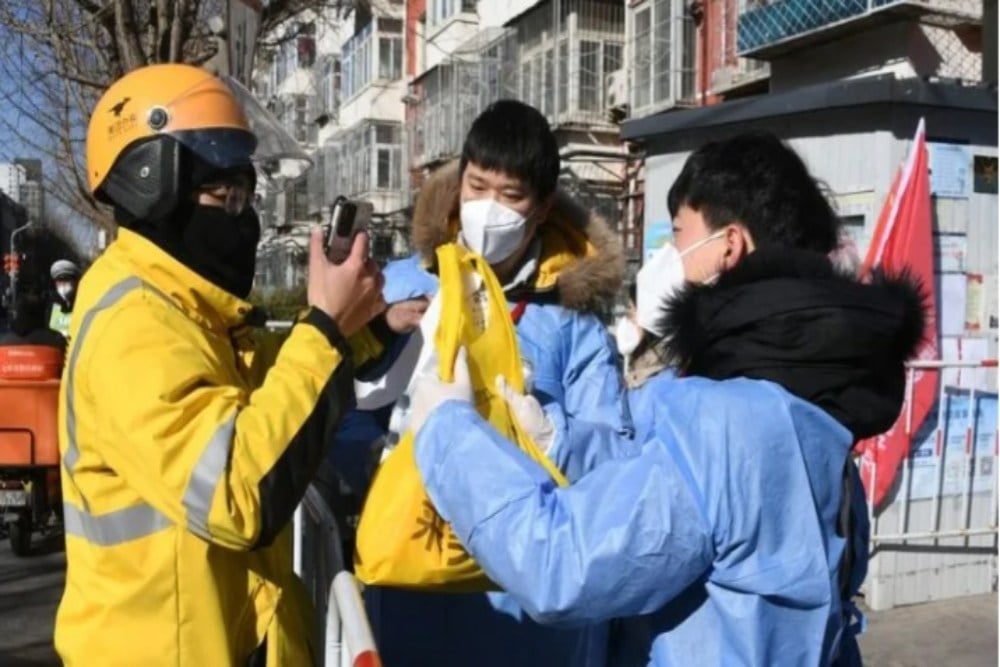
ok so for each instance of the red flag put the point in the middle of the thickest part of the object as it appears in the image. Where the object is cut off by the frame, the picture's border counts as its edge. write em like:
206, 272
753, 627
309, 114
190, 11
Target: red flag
903, 240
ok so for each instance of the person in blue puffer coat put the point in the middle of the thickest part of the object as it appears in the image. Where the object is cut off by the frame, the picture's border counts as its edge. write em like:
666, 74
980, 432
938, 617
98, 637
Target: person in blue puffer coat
732, 530
560, 266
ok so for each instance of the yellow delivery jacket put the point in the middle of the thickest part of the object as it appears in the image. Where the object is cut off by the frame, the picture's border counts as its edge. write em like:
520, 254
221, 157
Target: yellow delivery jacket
181, 469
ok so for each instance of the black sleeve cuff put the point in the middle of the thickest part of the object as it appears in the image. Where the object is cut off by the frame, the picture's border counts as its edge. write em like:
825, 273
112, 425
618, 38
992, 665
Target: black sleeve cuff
377, 367
380, 329
329, 328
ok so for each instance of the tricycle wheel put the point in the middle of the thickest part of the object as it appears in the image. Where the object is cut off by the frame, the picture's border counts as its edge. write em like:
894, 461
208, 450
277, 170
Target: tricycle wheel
20, 535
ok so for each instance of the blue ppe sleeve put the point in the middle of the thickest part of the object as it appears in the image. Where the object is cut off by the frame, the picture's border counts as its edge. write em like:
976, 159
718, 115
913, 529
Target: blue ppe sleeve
624, 540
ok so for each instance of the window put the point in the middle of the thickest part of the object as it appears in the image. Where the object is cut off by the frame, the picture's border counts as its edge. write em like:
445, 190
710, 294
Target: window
390, 26
664, 55
356, 57
330, 88
643, 58
538, 81
301, 122
562, 101
390, 57
661, 47
388, 156
442, 10
493, 66
300, 200
306, 51
598, 59
612, 58
280, 66
548, 106
590, 76
368, 158
372, 55
688, 72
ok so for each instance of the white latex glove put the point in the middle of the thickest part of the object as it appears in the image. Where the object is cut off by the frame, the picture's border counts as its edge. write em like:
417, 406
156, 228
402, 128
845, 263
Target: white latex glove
530, 415
430, 391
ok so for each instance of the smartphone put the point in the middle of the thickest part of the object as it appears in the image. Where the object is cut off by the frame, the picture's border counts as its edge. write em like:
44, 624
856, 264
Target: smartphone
347, 218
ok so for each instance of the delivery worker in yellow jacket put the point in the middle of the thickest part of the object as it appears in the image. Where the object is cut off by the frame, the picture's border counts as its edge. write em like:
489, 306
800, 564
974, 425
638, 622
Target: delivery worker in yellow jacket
180, 469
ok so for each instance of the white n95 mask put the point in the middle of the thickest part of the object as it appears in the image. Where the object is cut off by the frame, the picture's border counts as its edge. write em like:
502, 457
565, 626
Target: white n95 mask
491, 229
659, 279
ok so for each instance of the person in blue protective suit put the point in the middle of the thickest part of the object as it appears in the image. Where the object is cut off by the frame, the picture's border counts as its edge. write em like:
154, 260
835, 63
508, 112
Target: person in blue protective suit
733, 531
560, 266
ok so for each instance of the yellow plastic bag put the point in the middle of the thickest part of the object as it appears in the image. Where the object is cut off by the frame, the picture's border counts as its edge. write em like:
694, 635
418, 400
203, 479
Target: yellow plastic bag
402, 541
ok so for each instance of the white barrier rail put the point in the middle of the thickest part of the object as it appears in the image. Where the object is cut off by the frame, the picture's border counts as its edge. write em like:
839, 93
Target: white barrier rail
357, 645
346, 633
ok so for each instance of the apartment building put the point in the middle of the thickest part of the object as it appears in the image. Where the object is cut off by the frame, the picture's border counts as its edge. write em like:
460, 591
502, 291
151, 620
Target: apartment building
335, 80
382, 93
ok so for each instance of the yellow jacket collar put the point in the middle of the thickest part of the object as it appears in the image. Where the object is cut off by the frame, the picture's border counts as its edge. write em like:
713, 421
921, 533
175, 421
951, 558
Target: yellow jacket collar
202, 301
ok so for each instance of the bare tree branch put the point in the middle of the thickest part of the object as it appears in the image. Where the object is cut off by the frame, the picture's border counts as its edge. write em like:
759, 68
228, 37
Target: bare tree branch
58, 56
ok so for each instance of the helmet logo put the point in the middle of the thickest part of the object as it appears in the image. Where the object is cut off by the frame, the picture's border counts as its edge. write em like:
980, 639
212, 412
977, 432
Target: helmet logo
158, 118
118, 108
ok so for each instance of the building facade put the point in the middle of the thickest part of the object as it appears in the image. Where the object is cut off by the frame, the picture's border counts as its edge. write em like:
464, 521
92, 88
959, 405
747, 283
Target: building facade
335, 80
381, 94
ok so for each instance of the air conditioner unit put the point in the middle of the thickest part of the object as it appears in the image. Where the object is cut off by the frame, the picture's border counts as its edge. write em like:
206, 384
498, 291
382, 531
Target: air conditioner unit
616, 89
722, 78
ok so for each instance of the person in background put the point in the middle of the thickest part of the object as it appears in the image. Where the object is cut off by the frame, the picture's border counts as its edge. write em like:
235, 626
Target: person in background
735, 530
65, 279
560, 266
29, 326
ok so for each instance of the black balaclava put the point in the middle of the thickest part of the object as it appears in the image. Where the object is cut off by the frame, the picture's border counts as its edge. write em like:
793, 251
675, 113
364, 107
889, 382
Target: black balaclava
218, 246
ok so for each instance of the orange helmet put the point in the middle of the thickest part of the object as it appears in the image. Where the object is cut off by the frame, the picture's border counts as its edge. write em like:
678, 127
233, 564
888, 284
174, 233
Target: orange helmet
147, 122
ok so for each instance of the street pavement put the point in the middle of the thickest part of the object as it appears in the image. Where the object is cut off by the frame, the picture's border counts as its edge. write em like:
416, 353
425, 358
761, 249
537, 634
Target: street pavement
953, 633
30, 589
961, 632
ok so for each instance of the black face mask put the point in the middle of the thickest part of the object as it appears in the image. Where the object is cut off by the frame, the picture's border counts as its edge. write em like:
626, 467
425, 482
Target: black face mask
219, 247
223, 247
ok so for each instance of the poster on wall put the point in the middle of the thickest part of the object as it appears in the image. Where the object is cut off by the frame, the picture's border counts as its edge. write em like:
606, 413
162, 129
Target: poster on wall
974, 302
655, 235
984, 170
950, 251
951, 303
950, 165
953, 471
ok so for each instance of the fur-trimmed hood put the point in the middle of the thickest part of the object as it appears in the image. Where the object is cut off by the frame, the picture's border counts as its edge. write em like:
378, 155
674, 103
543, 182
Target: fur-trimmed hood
788, 316
582, 261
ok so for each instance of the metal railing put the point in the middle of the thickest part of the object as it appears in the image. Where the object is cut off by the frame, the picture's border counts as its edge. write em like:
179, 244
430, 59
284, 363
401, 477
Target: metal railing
340, 612
965, 421
764, 24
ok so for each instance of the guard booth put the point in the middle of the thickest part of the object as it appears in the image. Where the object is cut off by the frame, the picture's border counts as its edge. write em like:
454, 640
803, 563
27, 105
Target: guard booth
937, 538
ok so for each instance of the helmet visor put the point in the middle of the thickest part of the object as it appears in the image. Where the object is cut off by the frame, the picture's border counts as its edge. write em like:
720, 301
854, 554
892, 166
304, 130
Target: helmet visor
226, 126
278, 154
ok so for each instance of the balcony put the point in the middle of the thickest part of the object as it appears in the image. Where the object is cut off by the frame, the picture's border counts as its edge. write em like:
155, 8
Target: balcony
768, 30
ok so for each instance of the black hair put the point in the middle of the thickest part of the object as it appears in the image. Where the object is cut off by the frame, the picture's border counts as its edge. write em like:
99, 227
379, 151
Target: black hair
757, 180
514, 138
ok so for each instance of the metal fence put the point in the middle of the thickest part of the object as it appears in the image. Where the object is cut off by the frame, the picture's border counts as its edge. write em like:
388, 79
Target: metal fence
938, 537
765, 23
335, 593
